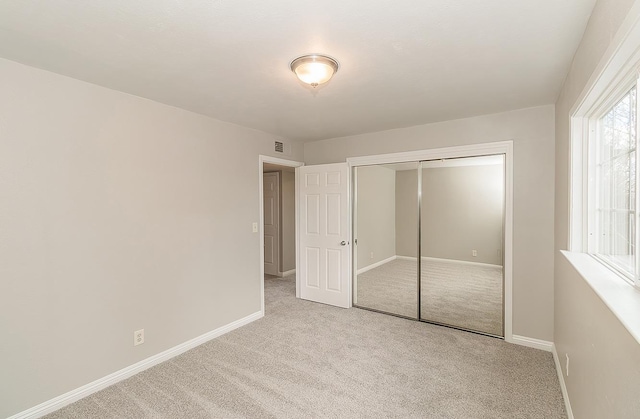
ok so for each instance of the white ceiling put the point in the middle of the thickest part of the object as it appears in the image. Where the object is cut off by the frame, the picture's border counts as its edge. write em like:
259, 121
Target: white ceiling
402, 63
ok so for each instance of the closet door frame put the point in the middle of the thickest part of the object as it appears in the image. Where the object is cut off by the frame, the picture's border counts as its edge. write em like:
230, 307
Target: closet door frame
474, 150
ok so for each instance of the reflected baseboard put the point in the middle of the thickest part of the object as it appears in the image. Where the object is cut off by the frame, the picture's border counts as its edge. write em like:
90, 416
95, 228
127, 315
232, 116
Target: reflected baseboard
424, 258
462, 262
286, 273
375, 265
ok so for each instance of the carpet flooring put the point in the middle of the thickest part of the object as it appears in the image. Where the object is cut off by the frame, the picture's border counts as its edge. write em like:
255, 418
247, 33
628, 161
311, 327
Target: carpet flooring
309, 360
456, 294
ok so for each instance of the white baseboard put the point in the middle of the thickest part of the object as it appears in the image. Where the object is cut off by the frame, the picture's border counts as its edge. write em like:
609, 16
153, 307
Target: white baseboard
375, 265
406, 257
532, 343
563, 386
101, 383
459, 262
286, 273
549, 347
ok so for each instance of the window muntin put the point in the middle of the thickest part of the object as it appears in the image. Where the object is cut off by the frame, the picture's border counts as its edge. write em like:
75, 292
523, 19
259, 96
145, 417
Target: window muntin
614, 230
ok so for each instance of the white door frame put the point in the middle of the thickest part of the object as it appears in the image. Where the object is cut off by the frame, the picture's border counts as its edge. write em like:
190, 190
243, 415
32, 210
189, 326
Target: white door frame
502, 147
282, 162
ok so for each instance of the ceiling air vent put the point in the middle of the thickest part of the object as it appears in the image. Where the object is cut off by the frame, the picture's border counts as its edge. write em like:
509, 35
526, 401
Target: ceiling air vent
279, 147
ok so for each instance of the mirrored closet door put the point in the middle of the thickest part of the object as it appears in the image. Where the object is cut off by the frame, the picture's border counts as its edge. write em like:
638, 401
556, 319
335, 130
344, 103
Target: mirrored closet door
386, 228
448, 212
462, 213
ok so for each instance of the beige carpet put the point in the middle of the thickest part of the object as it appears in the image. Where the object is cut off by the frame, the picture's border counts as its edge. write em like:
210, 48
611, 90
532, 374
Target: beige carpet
309, 360
457, 294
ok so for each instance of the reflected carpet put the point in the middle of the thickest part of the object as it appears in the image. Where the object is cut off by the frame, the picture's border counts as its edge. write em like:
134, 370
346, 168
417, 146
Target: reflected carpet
453, 293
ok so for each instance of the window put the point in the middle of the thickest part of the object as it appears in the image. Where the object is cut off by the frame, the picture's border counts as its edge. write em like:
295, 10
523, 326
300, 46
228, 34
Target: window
604, 228
604, 201
612, 221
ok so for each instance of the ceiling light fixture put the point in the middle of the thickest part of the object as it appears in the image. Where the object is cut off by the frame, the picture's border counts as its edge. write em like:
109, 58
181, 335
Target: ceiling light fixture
314, 69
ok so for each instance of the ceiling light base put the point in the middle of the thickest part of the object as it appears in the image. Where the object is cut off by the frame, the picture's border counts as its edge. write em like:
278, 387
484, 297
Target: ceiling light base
314, 69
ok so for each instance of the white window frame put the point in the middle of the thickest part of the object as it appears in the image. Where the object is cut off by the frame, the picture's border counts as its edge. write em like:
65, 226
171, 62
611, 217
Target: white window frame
585, 127
617, 70
611, 81
594, 122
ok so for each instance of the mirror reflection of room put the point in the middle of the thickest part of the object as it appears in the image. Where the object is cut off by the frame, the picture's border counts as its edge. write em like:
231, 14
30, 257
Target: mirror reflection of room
386, 280
461, 245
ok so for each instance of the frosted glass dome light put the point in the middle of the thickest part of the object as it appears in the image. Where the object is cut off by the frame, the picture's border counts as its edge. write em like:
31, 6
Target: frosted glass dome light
314, 69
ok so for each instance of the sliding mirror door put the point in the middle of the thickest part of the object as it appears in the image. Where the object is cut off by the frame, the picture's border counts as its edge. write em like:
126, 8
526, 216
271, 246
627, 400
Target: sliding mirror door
462, 218
386, 233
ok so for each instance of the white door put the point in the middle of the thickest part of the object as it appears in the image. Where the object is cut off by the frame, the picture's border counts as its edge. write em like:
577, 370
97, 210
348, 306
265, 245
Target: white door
324, 247
271, 199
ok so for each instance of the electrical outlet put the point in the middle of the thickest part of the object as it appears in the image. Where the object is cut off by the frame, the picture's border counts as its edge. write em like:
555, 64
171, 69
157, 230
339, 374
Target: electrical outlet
371, 255
474, 253
138, 337
567, 367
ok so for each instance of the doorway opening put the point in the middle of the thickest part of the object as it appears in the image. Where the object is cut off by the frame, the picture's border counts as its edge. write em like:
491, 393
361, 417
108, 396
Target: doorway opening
278, 220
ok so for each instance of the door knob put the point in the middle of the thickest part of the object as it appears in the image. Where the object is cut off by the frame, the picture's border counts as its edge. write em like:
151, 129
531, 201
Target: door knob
343, 243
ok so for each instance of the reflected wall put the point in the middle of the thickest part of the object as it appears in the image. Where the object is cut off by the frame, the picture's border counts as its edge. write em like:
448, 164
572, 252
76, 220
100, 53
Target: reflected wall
462, 243
383, 281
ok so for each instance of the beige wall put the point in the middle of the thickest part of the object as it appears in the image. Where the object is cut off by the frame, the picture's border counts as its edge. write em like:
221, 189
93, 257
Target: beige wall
407, 213
605, 359
532, 132
604, 369
462, 210
376, 230
288, 221
116, 214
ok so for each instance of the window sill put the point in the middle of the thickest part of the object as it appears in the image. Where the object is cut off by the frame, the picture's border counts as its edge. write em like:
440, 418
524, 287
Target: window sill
622, 298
